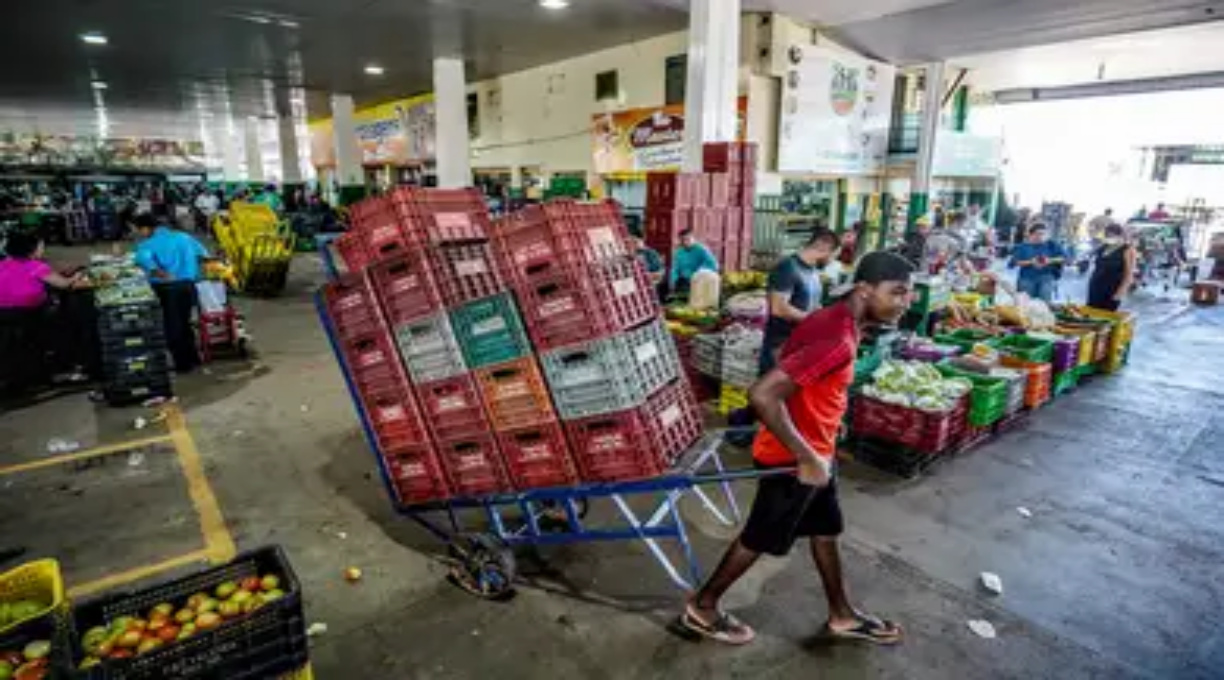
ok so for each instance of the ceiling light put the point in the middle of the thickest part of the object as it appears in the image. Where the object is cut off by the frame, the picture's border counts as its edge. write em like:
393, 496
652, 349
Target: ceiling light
374, 70
554, 4
94, 39
98, 85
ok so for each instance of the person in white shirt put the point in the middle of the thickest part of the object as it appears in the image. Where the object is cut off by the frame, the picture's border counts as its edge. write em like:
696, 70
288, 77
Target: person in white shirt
207, 204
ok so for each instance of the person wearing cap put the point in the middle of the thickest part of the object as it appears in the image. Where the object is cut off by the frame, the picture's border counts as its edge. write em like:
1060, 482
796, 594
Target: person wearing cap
801, 403
690, 258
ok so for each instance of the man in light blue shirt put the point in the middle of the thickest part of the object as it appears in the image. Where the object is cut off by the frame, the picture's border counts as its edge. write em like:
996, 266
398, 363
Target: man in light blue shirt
690, 258
172, 260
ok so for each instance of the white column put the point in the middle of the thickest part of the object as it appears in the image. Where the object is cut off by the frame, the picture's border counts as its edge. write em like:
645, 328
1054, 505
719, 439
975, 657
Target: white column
291, 163
450, 101
932, 99
713, 76
231, 152
348, 153
254, 154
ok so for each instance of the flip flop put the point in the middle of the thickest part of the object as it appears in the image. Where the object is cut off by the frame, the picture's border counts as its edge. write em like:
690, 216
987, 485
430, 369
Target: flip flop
725, 629
870, 629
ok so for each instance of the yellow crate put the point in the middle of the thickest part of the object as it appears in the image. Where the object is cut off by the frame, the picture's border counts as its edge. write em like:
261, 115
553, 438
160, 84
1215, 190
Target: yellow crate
39, 581
1087, 345
731, 398
303, 673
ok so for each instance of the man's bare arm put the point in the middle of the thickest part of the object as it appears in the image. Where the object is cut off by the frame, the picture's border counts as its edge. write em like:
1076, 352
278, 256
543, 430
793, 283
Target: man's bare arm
769, 396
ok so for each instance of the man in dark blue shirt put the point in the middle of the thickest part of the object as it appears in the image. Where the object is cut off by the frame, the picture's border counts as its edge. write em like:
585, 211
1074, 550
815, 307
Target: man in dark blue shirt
1040, 262
794, 292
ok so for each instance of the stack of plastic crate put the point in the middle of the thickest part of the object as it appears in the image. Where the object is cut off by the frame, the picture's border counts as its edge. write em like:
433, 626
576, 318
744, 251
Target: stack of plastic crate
134, 362
591, 313
384, 391
731, 167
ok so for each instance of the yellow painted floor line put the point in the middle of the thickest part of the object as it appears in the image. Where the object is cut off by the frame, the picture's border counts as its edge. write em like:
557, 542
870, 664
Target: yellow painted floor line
125, 577
219, 544
97, 452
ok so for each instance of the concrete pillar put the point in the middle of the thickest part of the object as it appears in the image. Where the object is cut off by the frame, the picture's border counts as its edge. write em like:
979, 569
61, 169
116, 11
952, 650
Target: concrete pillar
231, 154
713, 76
349, 174
452, 146
291, 162
932, 98
254, 154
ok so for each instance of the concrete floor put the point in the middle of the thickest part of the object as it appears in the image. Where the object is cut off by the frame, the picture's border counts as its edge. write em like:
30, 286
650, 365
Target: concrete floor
1116, 575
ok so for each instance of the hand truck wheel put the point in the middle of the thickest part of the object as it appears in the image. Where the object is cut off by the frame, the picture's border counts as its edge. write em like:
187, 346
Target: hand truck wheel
483, 566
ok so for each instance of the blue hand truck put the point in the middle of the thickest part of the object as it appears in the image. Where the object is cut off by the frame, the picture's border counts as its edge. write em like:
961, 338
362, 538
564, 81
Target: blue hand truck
481, 557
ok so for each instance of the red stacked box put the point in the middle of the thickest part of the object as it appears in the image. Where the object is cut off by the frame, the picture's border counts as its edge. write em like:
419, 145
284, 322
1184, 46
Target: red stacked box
720, 189
453, 410
663, 228
708, 226
405, 287
671, 190
466, 272
473, 465
382, 229
416, 475
443, 215
738, 160
352, 250
537, 455
640, 442
568, 304
588, 232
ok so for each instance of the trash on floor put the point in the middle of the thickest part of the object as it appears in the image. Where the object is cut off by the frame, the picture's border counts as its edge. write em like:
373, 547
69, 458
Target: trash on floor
316, 629
983, 629
1024, 512
57, 445
136, 459
352, 574
992, 582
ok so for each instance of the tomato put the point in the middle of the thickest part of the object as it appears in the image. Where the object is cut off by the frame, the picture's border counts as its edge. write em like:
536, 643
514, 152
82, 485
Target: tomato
251, 583
35, 670
121, 654
168, 633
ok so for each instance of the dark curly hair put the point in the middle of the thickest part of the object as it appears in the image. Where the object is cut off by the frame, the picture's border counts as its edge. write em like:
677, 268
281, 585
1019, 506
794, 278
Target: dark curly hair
21, 244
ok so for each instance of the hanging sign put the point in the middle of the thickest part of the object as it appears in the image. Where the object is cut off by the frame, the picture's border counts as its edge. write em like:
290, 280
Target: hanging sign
646, 139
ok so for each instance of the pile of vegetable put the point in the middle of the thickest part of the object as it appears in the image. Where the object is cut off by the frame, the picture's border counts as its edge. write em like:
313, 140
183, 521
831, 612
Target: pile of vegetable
915, 384
118, 281
30, 663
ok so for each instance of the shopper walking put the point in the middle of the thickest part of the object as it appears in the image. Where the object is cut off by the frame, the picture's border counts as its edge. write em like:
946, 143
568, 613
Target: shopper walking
794, 293
1113, 273
172, 260
801, 403
1040, 262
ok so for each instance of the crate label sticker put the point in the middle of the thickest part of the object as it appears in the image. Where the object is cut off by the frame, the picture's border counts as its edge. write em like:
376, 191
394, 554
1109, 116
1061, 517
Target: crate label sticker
133, 342
487, 326
623, 287
586, 374
555, 307
385, 233
646, 352
371, 358
670, 415
390, 414
349, 301
137, 366
514, 389
412, 471
535, 452
453, 221
471, 267
472, 461
540, 250
603, 237
405, 284
608, 442
452, 403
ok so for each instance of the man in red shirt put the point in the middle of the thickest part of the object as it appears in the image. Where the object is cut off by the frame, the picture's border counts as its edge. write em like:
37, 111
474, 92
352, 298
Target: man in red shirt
801, 403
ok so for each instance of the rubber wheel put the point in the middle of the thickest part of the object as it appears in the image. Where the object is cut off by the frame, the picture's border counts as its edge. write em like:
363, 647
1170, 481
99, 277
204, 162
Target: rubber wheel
483, 566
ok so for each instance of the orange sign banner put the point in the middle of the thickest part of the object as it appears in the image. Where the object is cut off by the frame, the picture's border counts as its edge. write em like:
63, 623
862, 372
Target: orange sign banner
652, 138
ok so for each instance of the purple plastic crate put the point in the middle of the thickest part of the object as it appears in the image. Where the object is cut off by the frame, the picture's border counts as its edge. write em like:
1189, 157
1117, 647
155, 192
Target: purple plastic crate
929, 353
1066, 354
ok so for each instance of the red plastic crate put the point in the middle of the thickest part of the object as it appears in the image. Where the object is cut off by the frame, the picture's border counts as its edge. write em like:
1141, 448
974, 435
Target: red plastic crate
722, 156
452, 408
672, 422
919, 430
588, 232
352, 250
663, 227
466, 272
613, 447
514, 394
394, 416
473, 466
374, 363
537, 456
747, 224
416, 475
525, 245
709, 225
675, 189
579, 304
444, 215
405, 286
720, 189
383, 231
351, 308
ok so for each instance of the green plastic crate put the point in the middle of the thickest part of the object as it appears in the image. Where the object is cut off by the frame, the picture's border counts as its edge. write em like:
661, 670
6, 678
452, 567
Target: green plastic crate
987, 401
964, 338
1065, 381
1025, 348
490, 331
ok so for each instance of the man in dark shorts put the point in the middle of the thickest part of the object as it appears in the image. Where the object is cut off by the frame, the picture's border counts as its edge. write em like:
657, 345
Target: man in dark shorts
794, 293
801, 402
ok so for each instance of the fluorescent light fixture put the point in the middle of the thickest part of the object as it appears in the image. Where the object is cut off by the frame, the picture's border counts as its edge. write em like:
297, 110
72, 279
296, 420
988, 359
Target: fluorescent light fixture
94, 38
554, 4
374, 70
98, 85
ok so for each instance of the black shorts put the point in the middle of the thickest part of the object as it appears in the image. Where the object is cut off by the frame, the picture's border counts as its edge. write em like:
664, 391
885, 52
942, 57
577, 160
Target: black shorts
785, 510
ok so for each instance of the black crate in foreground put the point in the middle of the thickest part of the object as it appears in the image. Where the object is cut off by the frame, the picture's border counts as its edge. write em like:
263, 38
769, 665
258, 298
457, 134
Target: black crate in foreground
263, 644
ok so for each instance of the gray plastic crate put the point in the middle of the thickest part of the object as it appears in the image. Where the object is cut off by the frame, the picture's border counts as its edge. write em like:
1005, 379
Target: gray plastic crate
652, 354
707, 354
429, 349
589, 379
741, 361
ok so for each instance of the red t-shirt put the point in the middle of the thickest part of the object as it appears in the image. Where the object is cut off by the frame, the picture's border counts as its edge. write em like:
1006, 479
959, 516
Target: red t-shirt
819, 357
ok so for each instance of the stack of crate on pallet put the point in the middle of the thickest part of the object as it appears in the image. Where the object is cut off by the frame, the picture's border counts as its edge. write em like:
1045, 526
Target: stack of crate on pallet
134, 362
384, 391
717, 205
593, 317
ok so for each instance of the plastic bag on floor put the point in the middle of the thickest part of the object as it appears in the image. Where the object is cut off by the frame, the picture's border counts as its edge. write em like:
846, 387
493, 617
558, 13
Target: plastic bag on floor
213, 296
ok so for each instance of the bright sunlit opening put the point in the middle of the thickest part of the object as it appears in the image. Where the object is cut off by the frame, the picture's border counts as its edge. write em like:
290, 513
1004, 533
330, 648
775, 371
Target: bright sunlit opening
94, 39
554, 4
374, 70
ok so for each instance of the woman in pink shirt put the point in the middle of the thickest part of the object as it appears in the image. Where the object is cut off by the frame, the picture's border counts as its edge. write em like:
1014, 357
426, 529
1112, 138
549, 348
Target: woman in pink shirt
24, 276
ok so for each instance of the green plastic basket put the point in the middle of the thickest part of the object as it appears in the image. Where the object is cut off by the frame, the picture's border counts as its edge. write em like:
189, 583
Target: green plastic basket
490, 331
965, 338
987, 401
1026, 348
1065, 381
